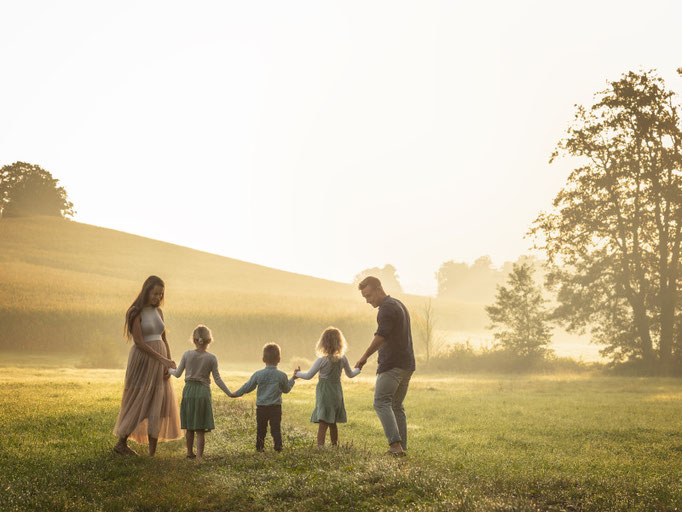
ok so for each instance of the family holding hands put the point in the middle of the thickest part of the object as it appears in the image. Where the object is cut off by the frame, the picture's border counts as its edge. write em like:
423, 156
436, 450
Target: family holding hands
149, 410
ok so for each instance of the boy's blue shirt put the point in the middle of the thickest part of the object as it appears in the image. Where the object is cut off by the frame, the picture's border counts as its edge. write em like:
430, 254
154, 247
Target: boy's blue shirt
271, 383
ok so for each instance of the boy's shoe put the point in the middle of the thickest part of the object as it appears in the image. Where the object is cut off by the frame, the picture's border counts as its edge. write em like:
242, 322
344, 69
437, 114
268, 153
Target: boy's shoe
193, 456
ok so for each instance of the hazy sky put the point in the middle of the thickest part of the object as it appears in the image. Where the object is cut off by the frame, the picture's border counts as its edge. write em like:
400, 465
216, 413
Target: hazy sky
318, 137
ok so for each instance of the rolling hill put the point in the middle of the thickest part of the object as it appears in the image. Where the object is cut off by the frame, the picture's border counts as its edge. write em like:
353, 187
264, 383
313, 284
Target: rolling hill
64, 287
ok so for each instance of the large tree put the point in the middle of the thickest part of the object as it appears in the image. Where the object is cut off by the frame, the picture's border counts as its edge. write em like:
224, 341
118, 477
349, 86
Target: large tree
27, 189
613, 236
518, 316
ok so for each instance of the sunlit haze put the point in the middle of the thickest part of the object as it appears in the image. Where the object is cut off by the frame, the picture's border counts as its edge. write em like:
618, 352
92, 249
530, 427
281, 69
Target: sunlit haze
316, 137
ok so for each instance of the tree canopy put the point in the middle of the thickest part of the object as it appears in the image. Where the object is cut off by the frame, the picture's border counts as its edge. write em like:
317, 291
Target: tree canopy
613, 235
27, 190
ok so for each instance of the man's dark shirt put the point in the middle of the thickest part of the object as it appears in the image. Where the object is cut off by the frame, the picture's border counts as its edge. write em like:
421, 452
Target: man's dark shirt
393, 322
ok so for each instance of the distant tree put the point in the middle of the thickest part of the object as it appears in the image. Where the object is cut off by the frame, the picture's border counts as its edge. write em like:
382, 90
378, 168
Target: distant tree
478, 282
537, 265
27, 190
451, 277
387, 275
613, 237
426, 323
471, 283
518, 315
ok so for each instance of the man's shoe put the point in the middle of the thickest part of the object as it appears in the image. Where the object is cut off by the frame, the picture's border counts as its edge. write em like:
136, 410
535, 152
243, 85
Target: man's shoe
396, 454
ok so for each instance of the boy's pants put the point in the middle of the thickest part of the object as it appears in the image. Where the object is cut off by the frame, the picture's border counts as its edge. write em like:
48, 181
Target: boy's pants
389, 393
273, 415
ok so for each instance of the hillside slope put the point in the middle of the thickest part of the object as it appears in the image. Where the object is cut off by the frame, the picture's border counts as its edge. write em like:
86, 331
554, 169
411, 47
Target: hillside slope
78, 255
65, 286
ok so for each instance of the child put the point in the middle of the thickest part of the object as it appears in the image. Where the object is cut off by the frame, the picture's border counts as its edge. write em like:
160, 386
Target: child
271, 383
196, 409
329, 408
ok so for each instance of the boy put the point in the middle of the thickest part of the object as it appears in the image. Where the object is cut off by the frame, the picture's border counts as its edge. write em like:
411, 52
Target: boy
270, 382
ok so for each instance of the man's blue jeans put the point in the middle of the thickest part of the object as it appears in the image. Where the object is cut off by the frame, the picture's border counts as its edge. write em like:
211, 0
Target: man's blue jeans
389, 393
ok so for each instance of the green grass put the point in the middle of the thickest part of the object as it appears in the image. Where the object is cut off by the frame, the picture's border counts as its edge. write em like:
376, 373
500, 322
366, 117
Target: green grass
571, 442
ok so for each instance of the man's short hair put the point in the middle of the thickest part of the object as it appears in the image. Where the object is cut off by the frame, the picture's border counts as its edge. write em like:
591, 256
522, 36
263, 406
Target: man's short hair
370, 281
271, 353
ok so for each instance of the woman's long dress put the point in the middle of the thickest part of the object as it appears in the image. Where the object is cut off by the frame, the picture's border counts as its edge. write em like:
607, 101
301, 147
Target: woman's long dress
148, 407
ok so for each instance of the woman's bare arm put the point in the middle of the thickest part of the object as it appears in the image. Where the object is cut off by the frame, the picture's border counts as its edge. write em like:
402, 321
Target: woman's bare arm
163, 336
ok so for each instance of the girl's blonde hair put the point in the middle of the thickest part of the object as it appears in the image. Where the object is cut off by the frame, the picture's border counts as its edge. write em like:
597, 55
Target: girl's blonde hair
331, 344
202, 335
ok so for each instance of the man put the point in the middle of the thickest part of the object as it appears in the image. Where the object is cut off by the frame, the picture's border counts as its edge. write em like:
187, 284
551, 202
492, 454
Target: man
393, 340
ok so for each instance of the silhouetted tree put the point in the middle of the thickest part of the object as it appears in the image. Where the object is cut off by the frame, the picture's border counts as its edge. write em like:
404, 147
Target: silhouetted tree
27, 190
613, 237
518, 316
387, 275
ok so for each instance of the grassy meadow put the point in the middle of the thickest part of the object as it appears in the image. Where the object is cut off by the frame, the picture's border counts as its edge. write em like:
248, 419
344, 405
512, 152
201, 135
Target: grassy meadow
582, 441
563, 442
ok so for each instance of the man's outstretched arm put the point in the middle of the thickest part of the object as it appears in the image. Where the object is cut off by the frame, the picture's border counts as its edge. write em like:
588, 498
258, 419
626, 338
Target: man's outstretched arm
373, 347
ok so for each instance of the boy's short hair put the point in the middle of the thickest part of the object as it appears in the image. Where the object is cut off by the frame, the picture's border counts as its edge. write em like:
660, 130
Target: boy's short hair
370, 281
271, 353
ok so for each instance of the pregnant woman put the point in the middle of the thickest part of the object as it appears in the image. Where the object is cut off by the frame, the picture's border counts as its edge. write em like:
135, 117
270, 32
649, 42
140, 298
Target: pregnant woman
149, 410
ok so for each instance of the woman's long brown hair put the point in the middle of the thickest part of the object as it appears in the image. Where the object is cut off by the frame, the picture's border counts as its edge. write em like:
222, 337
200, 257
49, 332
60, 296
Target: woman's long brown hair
136, 307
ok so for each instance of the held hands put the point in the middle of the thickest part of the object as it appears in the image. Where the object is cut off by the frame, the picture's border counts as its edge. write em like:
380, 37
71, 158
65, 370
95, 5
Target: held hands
171, 364
361, 362
298, 369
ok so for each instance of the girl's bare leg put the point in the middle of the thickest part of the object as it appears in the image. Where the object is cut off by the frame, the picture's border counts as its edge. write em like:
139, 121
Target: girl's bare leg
334, 434
152, 445
189, 438
321, 433
200, 443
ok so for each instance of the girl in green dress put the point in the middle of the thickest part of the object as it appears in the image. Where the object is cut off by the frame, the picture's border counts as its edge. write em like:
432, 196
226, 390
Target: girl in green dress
196, 408
329, 407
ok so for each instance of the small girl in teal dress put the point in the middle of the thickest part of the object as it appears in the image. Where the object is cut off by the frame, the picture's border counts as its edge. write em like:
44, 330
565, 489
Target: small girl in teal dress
196, 408
329, 407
